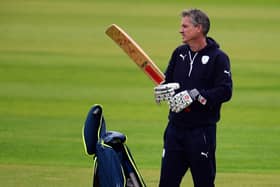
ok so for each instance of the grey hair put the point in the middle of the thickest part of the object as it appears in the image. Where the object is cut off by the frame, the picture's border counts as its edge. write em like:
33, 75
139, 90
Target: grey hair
198, 18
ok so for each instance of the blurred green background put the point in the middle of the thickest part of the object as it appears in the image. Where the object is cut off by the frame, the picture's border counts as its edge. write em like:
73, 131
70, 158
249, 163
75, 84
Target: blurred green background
56, 62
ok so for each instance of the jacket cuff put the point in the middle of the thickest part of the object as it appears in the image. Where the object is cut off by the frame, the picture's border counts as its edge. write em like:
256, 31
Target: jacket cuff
195, 95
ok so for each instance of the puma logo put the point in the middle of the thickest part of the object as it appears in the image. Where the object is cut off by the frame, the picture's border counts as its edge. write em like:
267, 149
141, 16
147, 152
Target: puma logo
227, 72
204, 154
183, 56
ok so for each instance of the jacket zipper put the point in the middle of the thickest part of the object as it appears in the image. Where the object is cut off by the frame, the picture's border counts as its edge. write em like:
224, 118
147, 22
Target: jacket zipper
204, 138
191, 62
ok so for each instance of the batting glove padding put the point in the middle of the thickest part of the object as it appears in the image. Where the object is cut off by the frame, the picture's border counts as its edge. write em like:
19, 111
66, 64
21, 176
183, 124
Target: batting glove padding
164, 92
180, 101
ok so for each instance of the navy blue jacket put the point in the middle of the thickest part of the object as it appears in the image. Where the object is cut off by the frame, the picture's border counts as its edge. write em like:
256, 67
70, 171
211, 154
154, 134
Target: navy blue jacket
210, 74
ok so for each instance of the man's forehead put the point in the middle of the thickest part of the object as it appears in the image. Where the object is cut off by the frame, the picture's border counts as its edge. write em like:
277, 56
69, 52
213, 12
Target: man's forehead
186, 20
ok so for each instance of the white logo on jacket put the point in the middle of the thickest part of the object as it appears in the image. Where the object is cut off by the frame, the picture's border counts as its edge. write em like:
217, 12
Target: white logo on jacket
183, 56
205, 59
227, 72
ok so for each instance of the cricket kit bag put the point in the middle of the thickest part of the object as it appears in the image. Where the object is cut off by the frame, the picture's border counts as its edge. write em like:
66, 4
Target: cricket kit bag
113, 164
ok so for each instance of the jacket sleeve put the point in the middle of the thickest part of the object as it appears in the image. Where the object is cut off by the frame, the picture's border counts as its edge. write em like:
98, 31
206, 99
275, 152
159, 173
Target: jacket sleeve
222, 89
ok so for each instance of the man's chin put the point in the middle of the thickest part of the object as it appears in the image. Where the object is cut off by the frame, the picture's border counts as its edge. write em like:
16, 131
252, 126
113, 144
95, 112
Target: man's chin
184, 40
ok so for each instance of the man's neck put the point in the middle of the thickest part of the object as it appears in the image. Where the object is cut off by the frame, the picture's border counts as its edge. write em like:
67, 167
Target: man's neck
197, 45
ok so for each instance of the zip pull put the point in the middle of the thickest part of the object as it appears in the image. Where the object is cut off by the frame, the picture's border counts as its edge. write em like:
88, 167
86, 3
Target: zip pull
191, 62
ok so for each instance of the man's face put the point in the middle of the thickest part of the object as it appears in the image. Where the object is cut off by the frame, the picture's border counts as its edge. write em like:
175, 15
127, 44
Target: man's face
188, 30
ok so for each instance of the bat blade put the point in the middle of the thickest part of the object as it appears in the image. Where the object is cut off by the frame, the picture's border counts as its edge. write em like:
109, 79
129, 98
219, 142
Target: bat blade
136, 53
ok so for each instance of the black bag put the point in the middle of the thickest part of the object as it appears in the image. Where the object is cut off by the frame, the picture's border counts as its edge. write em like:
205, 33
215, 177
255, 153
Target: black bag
113, 163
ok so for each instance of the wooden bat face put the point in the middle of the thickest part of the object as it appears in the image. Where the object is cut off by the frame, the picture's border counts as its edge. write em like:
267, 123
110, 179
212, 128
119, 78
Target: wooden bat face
136, 53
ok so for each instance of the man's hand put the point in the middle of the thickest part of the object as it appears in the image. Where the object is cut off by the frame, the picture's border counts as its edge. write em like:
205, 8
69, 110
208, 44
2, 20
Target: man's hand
180, 101
164, 92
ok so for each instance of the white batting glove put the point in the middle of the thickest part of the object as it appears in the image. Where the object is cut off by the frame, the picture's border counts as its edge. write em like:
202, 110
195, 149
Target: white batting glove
164, 92
180, 101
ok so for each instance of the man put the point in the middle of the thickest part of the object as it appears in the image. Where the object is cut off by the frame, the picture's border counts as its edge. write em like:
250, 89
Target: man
202, 72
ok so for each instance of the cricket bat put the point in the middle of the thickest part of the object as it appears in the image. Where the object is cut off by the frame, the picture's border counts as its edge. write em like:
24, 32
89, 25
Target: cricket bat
136, 53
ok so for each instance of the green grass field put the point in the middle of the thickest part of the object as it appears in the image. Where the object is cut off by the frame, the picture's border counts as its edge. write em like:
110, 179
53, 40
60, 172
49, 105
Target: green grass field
56, 62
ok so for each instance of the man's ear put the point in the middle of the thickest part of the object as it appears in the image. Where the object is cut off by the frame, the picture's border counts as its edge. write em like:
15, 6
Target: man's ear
199, 28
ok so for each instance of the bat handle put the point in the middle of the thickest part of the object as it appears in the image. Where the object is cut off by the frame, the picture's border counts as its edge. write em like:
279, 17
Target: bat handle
133, 180
96, 111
